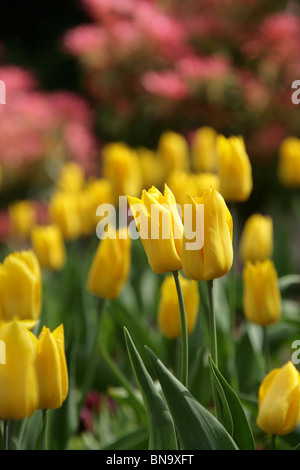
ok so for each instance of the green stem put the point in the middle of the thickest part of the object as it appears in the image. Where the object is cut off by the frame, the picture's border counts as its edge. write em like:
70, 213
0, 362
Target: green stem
266, 349
212, 324
273, 438
184, 332
5, 434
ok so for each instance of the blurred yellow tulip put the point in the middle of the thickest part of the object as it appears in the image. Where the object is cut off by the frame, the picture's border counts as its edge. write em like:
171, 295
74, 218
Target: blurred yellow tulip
22, 216
256, 242
19, 387
121, 166
20, 288
151, 167
173, 151
214, 257
289, 162
168, 310
279, 401
261, 297
49, 246
235, 169
203, 149
111, 264
64, 212
71, 178
51, 368
160, 227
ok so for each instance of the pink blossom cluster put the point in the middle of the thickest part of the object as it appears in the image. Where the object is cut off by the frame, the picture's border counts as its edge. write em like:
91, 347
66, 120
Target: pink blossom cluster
224, 62
36, 124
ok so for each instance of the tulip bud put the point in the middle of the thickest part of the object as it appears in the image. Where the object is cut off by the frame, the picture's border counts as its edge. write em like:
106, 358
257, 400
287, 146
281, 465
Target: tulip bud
48, 245
151, 168
169, 312
235, 169
204, 154
174, 152
256, 243
63, 210
51, 368
279, 401
71, 178
289, 162
19, 387
111, 265
212, 258
160, 227
20, 288
121, 167
261, 298
22, 216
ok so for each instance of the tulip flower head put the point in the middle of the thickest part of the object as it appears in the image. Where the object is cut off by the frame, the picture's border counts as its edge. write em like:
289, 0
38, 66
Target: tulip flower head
174, 152
20, 288
204, 152
22, 216
169, 313
256, 243
48, 244
63, 210
261, 298
279, 400
110, 268
160, 227
289, 162
71, 178
235, 169
214, 257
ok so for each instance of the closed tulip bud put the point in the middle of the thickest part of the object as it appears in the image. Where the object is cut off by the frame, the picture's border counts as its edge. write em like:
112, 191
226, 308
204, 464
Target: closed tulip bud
20, 288
289, 162
204, 153
151, 167
168, 311
71, 178
19, 387
22, 216
63, 210
122, 168
279, 401
256, 243
235, 169
213, 258
182, 183
174, 152
203, 181
51, 368
110, 268
160, 228
48, 244
261, 298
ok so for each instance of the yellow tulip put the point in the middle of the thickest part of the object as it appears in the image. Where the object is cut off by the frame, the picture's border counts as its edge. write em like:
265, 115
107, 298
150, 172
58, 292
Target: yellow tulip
63, 211
20, 288
235, 169
168, 310
289, 162
214, 257
261, 297
160, 228
256, 242
279, 400
110, 268
182, 183
48, 244
204, 153
121, 166
71, 178
19, 387
22, 216
173, 150
206, 180
51, 368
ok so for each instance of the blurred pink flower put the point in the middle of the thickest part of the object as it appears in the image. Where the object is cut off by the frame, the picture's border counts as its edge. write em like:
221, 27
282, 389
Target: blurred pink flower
166, 84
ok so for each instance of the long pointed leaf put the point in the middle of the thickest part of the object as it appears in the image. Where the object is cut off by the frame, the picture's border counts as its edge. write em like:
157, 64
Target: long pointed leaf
238, 425
161, 426
197, 428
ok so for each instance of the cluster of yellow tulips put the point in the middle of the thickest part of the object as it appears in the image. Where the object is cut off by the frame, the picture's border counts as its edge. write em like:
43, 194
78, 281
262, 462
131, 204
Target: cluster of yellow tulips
214, 173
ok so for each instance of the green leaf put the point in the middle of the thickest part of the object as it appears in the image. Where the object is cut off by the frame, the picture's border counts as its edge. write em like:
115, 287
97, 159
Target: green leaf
237, 423
197, 428
162, 434
287, 281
